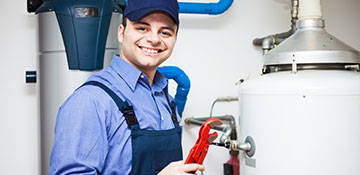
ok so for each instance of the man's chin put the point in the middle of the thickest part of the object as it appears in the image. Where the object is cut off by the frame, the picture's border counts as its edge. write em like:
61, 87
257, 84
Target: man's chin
148, 65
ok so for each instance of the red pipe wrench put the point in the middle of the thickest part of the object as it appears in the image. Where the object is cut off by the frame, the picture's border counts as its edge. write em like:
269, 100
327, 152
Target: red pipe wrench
199, 150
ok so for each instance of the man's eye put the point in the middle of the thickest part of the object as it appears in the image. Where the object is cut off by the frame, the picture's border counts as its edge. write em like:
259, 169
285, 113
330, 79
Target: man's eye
141, 28
166, 33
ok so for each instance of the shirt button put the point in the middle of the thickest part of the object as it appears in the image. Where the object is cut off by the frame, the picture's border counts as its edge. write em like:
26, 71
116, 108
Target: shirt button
142, 76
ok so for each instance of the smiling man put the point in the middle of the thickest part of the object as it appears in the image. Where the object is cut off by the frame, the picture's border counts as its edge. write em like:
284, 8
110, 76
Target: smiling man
147, 42
122, 120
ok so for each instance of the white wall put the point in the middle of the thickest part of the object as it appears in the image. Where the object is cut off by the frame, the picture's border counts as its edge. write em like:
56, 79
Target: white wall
19, 123
215, 51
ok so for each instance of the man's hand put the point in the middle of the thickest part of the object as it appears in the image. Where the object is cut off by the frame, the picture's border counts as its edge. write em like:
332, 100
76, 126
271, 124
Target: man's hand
177, 168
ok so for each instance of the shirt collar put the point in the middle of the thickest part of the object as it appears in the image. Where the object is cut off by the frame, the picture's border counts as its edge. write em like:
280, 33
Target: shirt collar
131, 74
160, 82
126, 71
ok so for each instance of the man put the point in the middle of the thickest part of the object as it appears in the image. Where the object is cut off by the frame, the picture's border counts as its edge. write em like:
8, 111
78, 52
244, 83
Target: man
122, 121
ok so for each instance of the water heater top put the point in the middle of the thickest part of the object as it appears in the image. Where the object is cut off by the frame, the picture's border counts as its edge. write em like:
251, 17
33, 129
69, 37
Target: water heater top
311, 44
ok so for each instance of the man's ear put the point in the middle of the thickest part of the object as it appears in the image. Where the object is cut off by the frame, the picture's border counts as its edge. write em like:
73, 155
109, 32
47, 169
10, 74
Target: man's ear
121, 31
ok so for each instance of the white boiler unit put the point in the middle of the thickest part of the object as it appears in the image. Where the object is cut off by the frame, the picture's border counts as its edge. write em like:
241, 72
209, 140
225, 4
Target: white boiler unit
303, 113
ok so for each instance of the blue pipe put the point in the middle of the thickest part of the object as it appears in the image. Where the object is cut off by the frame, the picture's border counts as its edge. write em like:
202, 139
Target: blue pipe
204, 8
183, 81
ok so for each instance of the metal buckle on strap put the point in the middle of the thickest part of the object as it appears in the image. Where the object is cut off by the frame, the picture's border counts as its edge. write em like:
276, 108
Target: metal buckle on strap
173, 111
173, 117
128, 112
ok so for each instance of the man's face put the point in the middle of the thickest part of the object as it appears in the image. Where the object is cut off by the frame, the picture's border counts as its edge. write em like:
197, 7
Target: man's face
148, 42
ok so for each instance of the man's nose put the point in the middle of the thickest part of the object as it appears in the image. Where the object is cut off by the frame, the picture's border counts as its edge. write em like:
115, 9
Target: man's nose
153, 38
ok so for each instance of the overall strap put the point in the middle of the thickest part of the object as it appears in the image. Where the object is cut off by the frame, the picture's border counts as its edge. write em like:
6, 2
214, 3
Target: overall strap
123, 106
172, 105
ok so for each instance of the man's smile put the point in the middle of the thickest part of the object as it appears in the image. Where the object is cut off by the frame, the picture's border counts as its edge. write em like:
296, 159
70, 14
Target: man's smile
150, 51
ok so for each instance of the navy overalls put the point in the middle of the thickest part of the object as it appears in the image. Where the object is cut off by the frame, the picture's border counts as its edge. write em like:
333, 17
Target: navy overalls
151, 150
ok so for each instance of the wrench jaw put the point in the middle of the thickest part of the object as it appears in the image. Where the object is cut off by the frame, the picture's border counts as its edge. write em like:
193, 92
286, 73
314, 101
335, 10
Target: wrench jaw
215, 123
212, 137
199, 150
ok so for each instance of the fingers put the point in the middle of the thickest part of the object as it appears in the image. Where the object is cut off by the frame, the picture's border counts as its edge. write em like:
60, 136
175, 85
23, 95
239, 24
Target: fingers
179, 167
193, 167
180, 162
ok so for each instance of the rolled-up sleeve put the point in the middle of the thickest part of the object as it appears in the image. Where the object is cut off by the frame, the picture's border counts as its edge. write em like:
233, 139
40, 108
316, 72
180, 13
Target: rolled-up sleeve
81, 144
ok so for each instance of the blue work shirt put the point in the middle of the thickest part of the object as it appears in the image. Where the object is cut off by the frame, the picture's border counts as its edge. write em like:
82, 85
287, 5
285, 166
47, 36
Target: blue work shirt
91, 134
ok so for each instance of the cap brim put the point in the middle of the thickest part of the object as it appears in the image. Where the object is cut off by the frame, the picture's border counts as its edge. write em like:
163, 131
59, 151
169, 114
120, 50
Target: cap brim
137, 15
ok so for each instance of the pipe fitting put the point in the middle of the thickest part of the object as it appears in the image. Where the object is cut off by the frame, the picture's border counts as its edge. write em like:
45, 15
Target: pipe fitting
248, 146
226, 135
236, 146
229, 118
228, 131
268, 43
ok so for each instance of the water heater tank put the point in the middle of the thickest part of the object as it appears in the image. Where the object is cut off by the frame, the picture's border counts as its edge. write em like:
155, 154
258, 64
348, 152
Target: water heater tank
63, 64
303, 123
304, 112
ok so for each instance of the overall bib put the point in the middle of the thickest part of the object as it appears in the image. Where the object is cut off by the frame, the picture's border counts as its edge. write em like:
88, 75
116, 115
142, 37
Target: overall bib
151, 150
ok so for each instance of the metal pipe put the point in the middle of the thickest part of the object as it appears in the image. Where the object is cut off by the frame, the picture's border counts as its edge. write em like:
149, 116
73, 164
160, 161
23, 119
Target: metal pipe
199, 123
236, 146
227, 130
228, 118
294, 9
279, 37
248, 146
268, 43
244, 146
222, 99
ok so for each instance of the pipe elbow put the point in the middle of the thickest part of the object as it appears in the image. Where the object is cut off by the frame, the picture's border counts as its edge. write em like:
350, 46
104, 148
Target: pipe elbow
268, 42
231, 120
221, 6
227, 132
205, 8
183, 81
175, 73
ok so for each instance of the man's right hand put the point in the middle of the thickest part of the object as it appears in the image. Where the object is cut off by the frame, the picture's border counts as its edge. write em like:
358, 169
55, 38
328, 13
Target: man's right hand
177, 168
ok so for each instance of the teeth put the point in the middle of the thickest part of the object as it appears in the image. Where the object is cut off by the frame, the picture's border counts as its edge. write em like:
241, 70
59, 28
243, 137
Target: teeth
151, 51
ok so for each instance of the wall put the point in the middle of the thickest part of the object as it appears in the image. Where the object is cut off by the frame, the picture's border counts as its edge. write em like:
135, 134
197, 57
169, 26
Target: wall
215, 51
19, 123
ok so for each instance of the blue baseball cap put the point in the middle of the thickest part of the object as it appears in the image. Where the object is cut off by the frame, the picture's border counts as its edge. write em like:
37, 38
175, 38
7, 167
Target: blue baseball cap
136, 9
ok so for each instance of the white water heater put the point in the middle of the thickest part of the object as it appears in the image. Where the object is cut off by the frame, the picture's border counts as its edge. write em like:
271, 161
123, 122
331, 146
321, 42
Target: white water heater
56, 80
303, 113
303, 123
